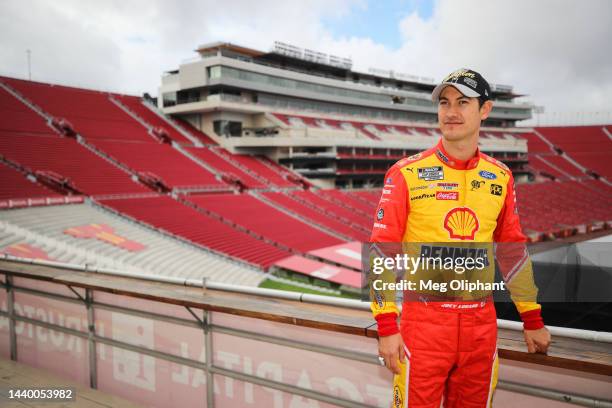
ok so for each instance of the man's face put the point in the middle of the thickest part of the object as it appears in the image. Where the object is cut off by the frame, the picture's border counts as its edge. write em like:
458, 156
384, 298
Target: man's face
459, 116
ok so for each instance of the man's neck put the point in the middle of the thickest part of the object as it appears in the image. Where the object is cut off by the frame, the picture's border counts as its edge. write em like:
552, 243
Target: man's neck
461, 149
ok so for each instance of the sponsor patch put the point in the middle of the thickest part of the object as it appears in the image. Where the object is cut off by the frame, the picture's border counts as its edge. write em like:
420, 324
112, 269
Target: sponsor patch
389, 180
442, 156
431, 173
448, 186
379, 225
415, 156
423, 187
487, 175
386, 191
398, 400
422, 196
496, 189
461, 223
447, 195
380, 214
378, 298
476, 184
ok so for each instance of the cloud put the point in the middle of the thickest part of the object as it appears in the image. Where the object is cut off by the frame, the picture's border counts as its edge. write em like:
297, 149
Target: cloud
553, 50
126, 46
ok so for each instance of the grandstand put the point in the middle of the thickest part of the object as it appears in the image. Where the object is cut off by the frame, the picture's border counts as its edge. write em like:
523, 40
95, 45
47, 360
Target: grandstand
262, 197
83, 234
257, 169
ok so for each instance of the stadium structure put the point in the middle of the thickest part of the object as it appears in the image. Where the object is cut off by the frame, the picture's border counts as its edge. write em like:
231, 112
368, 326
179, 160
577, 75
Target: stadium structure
252, 171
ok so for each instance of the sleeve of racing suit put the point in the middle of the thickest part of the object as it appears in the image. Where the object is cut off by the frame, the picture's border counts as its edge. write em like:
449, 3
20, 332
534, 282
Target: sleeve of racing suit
388, 230
514, 262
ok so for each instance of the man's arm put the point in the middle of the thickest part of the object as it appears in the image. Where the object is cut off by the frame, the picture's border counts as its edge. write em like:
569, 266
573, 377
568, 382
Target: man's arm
387, 234
517, 271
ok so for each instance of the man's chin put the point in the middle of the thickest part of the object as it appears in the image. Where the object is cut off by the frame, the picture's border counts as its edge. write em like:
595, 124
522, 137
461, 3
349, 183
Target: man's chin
452, 136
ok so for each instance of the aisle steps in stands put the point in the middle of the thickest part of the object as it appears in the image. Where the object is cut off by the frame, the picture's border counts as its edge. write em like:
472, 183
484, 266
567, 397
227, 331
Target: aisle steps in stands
308, 221
173, 125
330, 196
224, 155
266, 221
203, 138
209, 158
315, 215
134, 116
25, 101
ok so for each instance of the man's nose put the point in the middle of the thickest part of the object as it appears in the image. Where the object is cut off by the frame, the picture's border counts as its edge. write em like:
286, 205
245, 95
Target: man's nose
452, 111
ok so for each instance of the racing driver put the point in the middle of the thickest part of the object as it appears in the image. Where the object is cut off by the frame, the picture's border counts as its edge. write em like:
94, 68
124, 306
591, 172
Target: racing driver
444, 353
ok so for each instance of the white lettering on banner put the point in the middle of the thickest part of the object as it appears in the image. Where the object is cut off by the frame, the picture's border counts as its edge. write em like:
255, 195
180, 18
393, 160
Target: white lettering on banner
41, 335
381, 394
300, 402
100, 347
57, 338
18, 325
199, 378
183, 376
276, 371
233, 361
73, 340
248, 387
28, 312
130, 367
141, 371
228, 360
339, 386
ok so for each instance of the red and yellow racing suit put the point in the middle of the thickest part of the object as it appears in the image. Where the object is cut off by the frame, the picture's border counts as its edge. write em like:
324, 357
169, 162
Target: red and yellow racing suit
450, 348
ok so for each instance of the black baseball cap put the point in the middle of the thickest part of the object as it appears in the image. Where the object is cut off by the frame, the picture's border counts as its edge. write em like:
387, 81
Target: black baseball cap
469, 83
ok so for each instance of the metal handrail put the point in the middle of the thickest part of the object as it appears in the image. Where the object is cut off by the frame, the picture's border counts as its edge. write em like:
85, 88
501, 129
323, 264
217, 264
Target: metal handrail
581, 334
207, 366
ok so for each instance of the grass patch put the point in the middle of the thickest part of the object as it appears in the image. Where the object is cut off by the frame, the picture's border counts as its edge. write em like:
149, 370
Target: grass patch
270, 284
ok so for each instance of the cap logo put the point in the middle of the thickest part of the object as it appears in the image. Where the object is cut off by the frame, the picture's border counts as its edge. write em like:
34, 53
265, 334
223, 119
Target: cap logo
470, 82
454, 76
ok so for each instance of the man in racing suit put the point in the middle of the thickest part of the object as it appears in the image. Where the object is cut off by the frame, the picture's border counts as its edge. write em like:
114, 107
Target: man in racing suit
445, 352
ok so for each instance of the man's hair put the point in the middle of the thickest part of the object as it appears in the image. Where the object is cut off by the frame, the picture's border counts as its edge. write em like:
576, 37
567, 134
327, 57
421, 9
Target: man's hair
481, 102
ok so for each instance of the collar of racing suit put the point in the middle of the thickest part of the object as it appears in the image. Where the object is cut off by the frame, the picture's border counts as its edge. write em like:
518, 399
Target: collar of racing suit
455, 163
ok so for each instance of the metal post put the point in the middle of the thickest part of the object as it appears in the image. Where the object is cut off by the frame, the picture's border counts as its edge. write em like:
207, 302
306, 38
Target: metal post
210, 388
10, 294
91, 327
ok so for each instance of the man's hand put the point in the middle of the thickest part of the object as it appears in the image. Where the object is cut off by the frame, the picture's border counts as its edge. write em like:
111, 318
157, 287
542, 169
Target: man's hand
391, 348
537, 340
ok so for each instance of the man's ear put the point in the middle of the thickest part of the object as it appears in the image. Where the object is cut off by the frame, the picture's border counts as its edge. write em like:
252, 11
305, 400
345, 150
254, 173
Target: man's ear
485, 110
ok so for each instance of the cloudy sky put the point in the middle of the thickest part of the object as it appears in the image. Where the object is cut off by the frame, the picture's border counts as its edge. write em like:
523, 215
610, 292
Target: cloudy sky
555, 51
